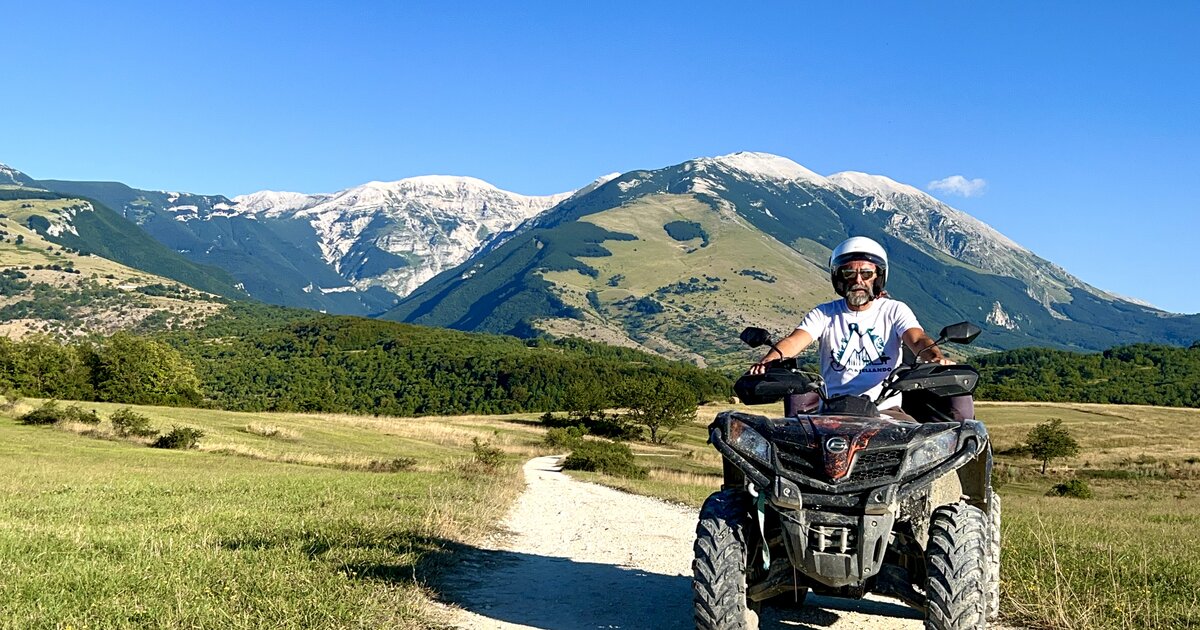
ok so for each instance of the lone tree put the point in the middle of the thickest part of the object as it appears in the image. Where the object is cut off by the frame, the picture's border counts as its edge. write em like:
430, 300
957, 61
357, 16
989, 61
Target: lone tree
585, 401
1051, 440
659, 404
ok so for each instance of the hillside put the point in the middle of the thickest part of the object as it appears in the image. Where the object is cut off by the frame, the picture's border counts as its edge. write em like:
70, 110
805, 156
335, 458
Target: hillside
678, 259
54, 279
350, 252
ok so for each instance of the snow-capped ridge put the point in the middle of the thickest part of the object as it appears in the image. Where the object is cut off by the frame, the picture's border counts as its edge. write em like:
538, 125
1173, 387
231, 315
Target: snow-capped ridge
274, 202
861, 183
762, 166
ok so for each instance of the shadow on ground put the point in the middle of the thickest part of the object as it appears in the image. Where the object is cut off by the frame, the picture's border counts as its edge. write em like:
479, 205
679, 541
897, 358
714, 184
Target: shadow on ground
558, 594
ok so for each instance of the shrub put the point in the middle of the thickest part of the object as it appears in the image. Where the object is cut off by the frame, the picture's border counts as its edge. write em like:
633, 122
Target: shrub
180, 438
604, 425
12, 397
126, 422
48, 413
487, 457
1077, 488
648, 306
391, 465
610, 458
75, 413
567, 437
615, 428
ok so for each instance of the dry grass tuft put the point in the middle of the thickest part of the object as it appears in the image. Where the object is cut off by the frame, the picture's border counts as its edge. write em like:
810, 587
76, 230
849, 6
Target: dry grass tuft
273, 431
341, 462
682, 478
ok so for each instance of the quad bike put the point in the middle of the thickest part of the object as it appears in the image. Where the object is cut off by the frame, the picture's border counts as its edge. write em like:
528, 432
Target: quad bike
844, 500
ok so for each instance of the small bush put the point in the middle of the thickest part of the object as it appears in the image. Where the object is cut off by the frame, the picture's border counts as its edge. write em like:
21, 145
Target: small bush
48, 413
1076, 488
391, 465
12, 398
179, 438
610, 458
51, 413
127, 422
568, 437
75, 413
487, 457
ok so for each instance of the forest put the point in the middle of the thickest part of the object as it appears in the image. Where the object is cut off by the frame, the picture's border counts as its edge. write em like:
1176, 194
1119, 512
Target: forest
254, 357
261, 358
1136, 374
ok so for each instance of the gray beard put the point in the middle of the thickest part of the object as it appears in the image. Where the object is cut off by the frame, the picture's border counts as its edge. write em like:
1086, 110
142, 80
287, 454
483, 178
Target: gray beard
854, 298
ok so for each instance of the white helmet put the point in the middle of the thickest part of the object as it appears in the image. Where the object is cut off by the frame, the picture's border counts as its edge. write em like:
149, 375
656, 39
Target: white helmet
858, 248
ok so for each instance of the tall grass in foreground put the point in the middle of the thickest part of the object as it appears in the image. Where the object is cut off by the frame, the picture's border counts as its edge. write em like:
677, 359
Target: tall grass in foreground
100, 533
1119, 562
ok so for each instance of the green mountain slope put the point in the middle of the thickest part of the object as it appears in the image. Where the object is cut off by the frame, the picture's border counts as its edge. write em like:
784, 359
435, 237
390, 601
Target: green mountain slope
679, 259
100, 231
50, 284
275, 260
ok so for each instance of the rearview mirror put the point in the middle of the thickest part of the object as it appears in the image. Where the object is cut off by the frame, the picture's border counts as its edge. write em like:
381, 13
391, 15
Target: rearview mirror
755, 337
962, 332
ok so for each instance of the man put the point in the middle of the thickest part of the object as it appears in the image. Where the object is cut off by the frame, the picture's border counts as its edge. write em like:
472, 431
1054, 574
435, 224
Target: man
860, 334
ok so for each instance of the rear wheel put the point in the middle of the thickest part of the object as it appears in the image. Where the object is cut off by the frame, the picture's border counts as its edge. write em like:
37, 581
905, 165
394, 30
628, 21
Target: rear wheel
721, 562
993, 568
956, 563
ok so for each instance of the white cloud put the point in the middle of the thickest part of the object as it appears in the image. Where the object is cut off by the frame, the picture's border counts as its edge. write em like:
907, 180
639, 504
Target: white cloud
959, 185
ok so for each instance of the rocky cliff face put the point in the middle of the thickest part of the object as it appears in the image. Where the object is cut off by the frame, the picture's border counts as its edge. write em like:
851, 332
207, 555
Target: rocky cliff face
396, 235
355, 251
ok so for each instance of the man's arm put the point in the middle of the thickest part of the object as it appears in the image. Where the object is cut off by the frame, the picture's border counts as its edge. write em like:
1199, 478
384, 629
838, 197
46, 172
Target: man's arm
923, 346
789, 346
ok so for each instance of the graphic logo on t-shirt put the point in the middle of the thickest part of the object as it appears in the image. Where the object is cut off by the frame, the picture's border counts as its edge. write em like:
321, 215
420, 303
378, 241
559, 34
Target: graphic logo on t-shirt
859, 349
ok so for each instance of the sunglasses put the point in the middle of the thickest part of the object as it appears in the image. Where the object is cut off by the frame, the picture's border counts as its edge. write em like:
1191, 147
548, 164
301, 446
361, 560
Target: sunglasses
849, 274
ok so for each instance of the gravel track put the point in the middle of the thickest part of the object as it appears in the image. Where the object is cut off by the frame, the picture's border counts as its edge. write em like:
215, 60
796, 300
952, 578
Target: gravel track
578, 555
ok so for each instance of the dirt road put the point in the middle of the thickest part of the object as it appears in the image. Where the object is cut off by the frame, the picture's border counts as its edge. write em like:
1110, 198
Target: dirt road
584, 556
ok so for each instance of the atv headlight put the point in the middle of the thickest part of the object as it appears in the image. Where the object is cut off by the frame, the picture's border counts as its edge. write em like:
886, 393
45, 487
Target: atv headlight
930, 451
749, 441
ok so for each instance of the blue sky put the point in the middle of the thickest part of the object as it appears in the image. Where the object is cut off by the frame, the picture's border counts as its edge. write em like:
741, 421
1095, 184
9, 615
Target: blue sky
1078, 119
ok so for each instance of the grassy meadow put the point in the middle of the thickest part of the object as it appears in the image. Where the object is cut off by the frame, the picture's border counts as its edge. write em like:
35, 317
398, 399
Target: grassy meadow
1127, 558
332, 521
276, 521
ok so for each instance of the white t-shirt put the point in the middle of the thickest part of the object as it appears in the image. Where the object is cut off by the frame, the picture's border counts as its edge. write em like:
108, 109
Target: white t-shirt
859, 348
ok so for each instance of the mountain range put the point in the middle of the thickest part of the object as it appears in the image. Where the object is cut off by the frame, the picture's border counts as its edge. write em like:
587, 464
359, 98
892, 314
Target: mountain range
679, 259
675, 260
356, 251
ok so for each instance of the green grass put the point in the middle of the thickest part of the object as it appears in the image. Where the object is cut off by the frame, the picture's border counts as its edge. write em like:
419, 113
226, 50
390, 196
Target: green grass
102, 533
1129, 558
705, 322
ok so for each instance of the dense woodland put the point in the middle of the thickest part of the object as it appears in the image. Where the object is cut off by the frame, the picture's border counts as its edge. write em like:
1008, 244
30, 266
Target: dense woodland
264, 358
257, 358
1143, 374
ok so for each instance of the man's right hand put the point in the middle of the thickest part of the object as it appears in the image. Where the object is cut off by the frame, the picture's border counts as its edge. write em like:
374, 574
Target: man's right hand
757, 368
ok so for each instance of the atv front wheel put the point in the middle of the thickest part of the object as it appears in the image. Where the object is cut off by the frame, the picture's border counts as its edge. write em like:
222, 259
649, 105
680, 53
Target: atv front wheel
993, 569
956, 563
721, 562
